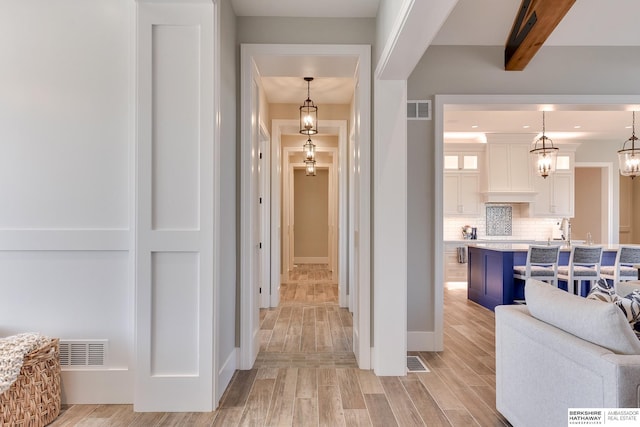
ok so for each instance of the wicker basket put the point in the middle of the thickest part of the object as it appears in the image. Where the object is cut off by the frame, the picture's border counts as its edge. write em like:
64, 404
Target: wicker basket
34, 399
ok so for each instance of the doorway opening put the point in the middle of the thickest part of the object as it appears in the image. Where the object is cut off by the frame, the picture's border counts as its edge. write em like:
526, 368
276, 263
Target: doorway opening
593, 202
351, 250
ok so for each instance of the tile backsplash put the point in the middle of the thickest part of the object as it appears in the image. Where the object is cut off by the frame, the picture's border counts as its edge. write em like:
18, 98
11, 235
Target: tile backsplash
522, 226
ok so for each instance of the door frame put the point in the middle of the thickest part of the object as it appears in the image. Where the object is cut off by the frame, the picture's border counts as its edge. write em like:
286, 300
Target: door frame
606, 176
340, 160
249, 54
335, 242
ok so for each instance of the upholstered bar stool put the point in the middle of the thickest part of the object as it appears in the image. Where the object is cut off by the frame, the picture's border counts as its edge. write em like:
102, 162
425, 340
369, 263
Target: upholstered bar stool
584, 264
623, 270
542, 264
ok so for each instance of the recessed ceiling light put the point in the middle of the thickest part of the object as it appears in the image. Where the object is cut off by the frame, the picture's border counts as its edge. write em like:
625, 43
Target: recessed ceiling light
474, 126
577, 127
627, 127
526, 126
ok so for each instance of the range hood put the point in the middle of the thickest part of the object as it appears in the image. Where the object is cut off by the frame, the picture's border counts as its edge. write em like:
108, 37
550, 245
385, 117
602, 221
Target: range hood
509, 196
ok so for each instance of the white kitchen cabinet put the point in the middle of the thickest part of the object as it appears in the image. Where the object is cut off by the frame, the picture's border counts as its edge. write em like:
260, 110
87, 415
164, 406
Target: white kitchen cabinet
454, 271
508, 168
556, 193
462, 193
462, 176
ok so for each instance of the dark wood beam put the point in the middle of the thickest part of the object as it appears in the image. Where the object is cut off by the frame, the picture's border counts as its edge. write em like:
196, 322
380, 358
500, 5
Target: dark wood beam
535, 21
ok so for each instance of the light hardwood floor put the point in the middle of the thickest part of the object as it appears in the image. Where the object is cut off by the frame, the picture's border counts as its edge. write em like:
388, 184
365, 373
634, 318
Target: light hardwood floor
306, 374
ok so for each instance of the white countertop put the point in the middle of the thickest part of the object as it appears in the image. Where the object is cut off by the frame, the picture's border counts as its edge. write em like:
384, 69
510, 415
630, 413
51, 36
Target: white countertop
521, 247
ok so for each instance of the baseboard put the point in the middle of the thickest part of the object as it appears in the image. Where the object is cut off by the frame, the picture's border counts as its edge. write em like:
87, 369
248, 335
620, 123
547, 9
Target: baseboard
226, 373
421, 341
311, 260
94, 386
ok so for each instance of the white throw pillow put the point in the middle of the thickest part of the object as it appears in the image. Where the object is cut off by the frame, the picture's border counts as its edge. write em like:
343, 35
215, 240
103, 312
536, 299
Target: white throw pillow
598, 322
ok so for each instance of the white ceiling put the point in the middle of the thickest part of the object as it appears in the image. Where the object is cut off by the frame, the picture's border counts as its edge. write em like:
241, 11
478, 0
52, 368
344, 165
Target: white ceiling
561, 126
307, 8
472, 22
588, 23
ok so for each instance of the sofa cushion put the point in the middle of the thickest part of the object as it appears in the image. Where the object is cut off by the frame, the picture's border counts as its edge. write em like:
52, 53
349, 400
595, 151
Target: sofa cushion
595, 321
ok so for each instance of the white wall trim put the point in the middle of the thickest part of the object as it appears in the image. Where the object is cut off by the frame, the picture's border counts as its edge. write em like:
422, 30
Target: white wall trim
226, 371
420, 341
390, 228
94, 386
65, 240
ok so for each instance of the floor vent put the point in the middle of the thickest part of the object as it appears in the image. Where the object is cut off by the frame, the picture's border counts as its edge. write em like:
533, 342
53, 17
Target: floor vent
83, 353
414, 364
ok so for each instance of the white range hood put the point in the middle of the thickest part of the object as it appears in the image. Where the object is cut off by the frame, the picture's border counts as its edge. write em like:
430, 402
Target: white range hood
509, 196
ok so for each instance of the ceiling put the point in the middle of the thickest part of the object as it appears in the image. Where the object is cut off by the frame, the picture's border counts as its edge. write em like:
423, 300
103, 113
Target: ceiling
472, 22
560, 126
307, 8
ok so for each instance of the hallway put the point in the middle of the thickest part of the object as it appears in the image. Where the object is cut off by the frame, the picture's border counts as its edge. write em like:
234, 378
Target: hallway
306, 374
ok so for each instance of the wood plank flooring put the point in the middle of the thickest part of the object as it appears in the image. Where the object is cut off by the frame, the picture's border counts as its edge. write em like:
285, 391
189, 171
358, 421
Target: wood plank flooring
306, 374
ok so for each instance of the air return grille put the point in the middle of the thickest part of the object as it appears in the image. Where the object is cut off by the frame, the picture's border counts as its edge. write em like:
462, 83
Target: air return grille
414, 364
83, 353
419, 110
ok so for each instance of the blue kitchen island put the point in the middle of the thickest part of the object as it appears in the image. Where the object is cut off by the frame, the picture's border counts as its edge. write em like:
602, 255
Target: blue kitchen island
490, 279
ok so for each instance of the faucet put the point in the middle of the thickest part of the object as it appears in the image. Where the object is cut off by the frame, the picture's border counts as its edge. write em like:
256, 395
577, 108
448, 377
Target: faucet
565, 227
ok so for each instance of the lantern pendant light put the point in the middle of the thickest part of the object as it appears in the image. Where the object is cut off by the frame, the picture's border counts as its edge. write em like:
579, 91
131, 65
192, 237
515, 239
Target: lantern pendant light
544, 156
309, 150
629, 158
308, 113
310, 167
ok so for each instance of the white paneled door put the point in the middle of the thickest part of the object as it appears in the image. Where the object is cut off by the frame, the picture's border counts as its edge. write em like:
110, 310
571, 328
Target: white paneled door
176, 188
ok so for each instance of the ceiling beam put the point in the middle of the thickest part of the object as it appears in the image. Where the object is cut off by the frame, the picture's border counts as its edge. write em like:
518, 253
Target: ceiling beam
535, 21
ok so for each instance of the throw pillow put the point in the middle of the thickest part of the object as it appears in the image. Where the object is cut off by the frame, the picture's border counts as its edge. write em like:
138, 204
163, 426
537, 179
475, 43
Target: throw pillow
630, 306
602, 291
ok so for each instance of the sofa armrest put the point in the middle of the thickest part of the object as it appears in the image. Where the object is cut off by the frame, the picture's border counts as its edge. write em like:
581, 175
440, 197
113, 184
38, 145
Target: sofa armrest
627, 380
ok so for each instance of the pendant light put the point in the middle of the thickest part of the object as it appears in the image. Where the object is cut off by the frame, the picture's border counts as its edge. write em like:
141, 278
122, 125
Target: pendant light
629, 158
308, 113
544, 154
310, 167
309, 150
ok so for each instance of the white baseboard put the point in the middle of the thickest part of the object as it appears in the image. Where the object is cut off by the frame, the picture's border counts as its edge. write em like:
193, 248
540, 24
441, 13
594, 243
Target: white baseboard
421, 341
311, 260
226, 373
110, 386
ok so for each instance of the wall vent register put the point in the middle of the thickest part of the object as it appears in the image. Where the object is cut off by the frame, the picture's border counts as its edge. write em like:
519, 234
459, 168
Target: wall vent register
419, 110
83, 353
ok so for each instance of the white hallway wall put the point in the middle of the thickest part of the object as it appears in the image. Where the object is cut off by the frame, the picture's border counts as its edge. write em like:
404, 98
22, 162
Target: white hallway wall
480, 70
65, 265
66, 152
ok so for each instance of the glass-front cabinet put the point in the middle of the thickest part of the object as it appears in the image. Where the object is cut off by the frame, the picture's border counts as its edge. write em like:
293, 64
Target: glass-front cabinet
462, 179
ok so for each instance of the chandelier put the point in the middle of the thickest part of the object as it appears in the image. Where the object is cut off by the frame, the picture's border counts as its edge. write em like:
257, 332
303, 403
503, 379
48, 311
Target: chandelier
308, 113
629, 158
544, 154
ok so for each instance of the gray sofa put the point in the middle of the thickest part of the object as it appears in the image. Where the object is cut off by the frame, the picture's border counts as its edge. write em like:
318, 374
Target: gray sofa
562, 351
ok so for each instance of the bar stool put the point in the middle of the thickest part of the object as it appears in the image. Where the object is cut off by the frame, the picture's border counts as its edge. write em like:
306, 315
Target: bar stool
623, 269
584, 264
542, 264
